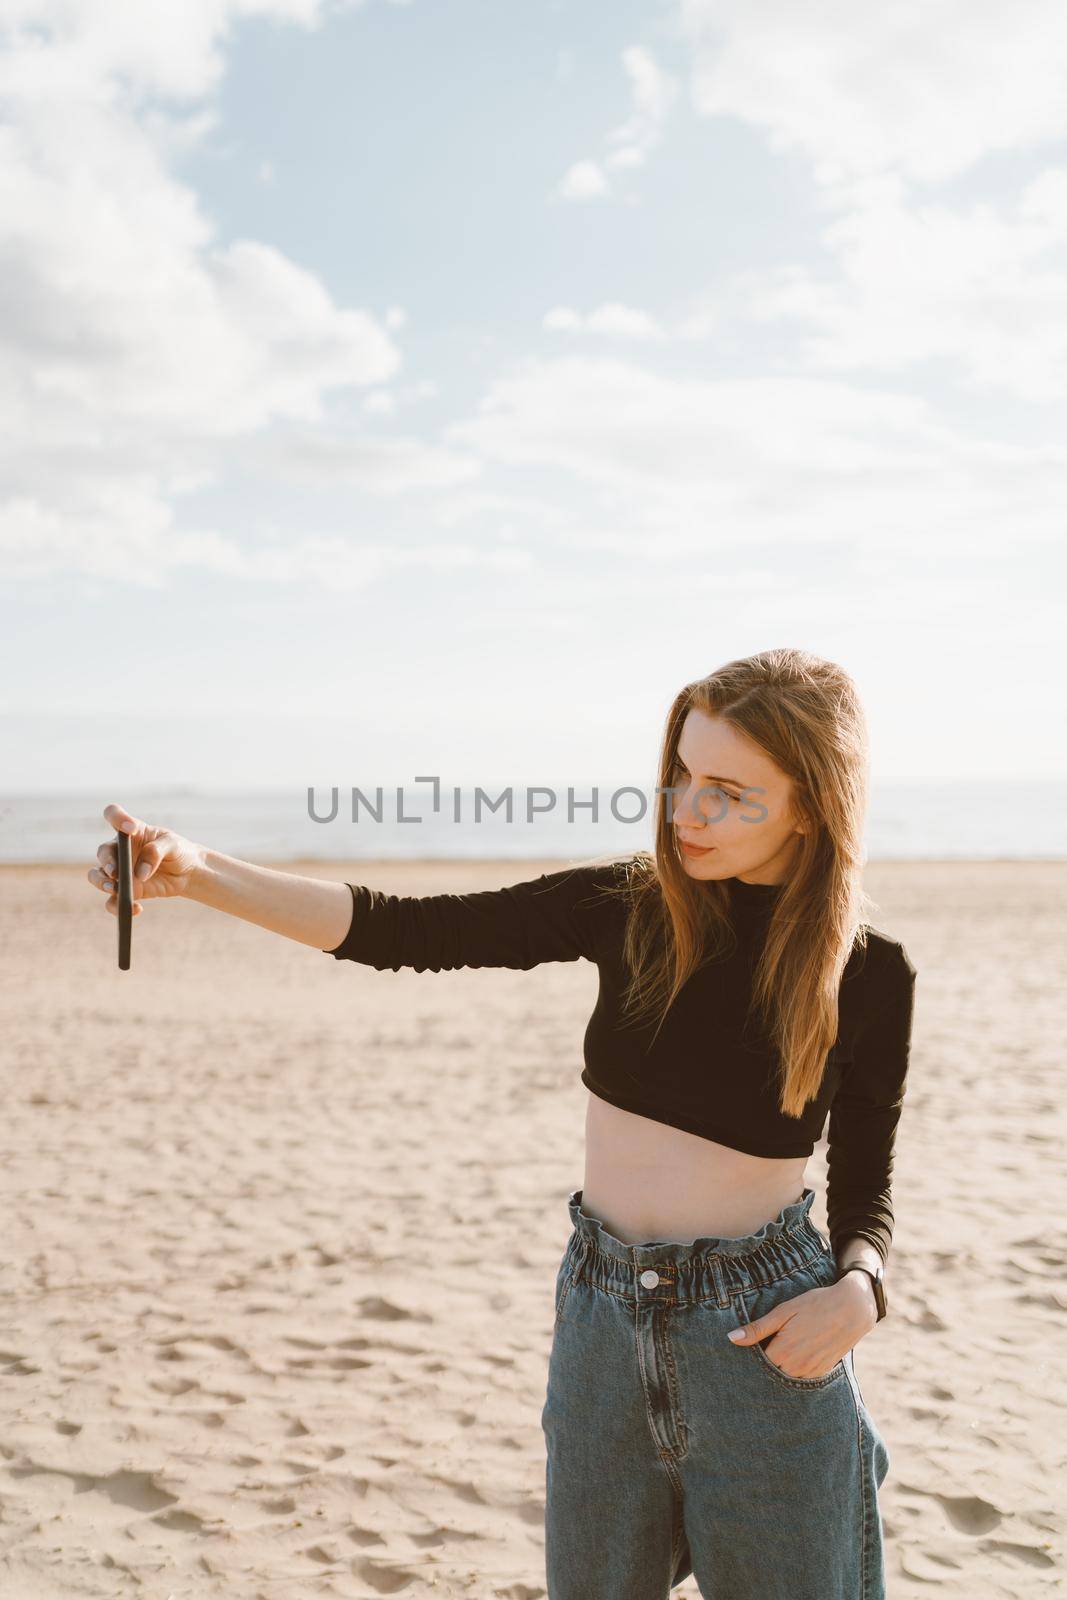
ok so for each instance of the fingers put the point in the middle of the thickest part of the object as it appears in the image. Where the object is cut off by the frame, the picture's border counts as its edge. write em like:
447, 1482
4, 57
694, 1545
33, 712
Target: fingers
111, 890
149, 858
107, 881
752, 1332
122, 821
112, 905
105, 877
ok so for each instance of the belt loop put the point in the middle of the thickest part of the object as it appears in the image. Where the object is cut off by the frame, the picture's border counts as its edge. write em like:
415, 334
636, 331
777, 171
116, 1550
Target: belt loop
584, 1247
722, 1298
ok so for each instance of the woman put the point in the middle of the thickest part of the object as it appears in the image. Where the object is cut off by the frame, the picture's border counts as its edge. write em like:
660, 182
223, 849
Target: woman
702, 1412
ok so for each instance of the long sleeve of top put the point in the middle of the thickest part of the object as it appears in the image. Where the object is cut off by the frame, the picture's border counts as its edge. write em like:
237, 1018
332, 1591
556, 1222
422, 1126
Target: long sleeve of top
706, 1070
550, 918
864, 1115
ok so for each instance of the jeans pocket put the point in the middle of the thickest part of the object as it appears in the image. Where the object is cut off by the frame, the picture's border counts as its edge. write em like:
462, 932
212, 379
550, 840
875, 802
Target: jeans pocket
757, 1302
564, 1279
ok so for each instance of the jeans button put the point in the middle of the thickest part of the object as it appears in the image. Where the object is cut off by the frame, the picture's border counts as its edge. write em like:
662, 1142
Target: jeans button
650, 1279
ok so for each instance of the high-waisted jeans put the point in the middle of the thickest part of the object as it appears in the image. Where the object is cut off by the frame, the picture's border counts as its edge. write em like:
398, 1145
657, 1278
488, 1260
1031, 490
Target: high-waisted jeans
672, 1451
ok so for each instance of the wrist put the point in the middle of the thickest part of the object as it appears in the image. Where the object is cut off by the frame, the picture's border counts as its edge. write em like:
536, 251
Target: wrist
871, 1288
856, 1288
200, 875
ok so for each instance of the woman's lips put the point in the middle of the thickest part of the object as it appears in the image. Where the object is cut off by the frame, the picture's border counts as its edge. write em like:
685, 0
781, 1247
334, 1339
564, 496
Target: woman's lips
696, 850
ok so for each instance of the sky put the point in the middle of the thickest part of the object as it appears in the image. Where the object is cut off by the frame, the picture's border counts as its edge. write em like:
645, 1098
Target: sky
391, 389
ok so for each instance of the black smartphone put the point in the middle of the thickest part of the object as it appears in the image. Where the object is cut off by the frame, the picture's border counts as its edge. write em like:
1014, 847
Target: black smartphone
125, 853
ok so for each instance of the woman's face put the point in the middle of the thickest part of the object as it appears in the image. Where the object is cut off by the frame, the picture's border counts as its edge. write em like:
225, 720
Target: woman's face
743, 819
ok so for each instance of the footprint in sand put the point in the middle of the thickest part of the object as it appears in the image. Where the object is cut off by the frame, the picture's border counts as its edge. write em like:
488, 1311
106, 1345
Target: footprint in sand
1029, 1554
969, 1513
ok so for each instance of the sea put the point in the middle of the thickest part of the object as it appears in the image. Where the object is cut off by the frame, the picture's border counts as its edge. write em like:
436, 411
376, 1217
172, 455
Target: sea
968, 821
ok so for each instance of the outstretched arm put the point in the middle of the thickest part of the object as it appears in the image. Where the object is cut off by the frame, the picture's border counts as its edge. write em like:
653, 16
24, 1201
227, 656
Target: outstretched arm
556, 917
166, 865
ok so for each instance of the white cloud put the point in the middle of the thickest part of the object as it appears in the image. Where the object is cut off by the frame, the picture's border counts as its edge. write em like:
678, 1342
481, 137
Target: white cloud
562, 319
583, 181
103, 49
121, 531
422, 460
653, 93
626, 321
321, 458
923, 91
904, 96
784, 460
131, 341
985, 286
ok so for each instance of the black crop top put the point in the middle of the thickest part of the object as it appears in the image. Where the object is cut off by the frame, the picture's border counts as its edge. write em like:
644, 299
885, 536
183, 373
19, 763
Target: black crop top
706, 1072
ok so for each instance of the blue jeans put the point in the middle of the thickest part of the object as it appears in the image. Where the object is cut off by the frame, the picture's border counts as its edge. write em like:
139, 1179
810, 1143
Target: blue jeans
671, 1451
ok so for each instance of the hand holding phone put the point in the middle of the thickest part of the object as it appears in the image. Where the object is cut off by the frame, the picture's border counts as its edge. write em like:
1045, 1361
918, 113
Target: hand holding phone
166, 864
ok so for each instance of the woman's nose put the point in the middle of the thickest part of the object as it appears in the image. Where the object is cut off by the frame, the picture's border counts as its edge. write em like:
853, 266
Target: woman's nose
685, 811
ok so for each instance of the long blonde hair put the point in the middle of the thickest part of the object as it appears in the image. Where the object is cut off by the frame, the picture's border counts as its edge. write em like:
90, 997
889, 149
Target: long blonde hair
805, 713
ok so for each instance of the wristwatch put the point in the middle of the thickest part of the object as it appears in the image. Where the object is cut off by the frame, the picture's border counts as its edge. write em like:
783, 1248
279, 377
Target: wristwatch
877, 1277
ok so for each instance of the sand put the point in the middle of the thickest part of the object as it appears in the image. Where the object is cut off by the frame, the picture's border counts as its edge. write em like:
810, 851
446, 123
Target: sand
280, 1237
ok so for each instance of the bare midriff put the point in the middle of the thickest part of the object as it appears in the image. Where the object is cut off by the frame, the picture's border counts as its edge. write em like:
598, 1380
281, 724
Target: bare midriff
646, 1181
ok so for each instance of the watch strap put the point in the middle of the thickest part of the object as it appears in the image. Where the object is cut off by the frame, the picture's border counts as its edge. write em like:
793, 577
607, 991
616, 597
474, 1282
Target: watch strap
876, 1281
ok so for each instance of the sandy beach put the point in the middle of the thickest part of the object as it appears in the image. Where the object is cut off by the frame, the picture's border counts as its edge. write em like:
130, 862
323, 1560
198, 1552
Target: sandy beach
280, 1239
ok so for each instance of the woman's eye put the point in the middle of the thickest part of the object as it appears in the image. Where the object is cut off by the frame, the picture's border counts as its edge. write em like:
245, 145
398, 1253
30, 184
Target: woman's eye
683, 772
